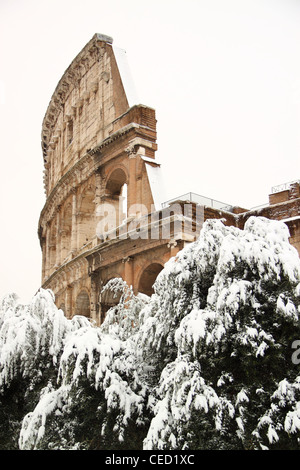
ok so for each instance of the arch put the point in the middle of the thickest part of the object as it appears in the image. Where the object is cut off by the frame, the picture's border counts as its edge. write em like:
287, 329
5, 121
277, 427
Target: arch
52, 243
148, 278
124, 200
115, 180
109, 298
66, 230
82, 305
86, 216
116, 194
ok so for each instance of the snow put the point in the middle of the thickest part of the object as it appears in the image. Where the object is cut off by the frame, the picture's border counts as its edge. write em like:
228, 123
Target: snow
192, 329
292, 420
272, 435
291, 219
33, 428
30, 332
128, 84
264, 255
157, 185
241, 397
286, 308
184, 362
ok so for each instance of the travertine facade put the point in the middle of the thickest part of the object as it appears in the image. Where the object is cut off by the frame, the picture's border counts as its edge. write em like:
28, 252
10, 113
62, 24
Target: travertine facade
102, 218
95, 147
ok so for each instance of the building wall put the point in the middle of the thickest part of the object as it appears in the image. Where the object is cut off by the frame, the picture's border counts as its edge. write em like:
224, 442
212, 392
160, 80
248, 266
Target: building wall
94, 145
88, 98
99, 220
283, 205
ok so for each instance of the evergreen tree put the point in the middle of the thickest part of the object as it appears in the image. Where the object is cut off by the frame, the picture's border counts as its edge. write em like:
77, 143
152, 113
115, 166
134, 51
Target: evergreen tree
209, 361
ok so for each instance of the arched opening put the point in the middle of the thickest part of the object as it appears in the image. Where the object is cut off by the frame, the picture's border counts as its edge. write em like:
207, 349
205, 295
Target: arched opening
52, 244
116, 195
86, 217
70, 132
82, 306
109, 298
148, 278
124, 192
115, 182
66, 232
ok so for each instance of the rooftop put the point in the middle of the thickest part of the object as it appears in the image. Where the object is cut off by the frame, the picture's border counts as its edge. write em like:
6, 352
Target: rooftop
198, 199
283, 186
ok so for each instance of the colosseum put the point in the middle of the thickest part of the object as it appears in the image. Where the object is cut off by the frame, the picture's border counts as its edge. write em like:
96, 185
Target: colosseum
104, 215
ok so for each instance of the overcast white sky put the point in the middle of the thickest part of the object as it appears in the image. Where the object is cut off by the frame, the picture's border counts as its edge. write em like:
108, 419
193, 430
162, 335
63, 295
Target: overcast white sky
223, 76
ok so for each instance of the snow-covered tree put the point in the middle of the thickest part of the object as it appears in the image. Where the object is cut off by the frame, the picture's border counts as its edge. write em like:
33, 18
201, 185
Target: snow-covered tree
204, 363
99, 401
31, 342
233, 341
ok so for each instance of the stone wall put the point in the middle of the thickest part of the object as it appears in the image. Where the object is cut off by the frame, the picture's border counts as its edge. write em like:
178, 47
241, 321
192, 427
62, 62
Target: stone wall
99, 220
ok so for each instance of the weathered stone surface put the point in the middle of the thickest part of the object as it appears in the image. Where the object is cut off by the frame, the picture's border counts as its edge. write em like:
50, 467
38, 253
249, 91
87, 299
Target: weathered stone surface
95, 146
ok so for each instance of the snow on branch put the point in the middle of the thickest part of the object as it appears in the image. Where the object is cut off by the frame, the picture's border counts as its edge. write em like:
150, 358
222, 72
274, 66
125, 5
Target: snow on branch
204, 363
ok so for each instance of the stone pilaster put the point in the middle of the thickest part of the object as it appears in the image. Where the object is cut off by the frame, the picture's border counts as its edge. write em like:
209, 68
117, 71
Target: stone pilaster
74, 221
128, 270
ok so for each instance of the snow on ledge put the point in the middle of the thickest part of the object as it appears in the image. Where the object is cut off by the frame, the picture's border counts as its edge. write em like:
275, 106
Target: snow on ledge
126, 77
291, 219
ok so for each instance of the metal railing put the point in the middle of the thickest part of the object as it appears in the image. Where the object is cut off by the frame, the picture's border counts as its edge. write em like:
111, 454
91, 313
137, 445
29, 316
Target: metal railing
198, 199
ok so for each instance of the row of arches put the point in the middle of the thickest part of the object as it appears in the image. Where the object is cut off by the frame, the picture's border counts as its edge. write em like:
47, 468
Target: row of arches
82, 305
77, 221
109, 299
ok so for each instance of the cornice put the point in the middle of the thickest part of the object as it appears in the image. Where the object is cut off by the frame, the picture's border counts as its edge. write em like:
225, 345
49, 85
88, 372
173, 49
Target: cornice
85, 256
71, 265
